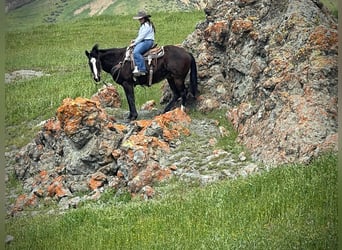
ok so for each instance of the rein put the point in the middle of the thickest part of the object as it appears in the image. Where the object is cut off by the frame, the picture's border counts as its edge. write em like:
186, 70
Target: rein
117, 68
119, 65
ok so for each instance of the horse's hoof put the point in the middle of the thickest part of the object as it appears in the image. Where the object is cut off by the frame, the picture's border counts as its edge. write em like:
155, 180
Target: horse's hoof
132, 117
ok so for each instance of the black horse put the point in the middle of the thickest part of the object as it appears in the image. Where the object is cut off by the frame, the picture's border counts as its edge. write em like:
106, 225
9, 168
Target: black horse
174, 66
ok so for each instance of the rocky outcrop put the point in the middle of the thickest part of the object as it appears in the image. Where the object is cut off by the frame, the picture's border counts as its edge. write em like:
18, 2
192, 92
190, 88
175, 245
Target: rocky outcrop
83, 150
273, 65
85, 153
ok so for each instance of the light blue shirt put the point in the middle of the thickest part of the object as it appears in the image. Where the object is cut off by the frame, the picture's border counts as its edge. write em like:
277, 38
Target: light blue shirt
146, 32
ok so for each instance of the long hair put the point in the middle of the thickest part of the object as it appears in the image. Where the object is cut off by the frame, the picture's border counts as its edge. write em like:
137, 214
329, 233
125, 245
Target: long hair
147, 19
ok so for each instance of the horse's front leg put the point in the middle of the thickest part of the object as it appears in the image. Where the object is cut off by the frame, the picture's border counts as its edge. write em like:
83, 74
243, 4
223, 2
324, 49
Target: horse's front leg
129, 91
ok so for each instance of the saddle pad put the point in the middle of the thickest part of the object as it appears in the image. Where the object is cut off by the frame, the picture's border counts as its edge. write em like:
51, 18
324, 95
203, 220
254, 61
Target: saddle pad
155, 52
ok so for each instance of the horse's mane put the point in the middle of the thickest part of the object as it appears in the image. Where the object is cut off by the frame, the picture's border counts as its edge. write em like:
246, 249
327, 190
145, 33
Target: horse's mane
96, 48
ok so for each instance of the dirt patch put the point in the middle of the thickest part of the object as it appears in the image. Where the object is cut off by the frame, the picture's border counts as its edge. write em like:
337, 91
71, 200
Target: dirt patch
23, 74
95, 7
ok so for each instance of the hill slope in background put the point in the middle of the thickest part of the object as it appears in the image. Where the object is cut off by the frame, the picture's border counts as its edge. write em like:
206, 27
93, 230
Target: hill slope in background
26, 13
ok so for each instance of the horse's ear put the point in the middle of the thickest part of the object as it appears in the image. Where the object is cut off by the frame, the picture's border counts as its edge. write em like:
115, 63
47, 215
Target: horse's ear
95, 48
87, 53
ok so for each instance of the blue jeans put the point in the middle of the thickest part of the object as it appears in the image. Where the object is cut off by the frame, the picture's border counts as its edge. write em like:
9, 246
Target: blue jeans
138, 52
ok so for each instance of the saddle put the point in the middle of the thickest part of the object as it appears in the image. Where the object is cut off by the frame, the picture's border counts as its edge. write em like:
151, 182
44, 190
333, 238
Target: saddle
152, 54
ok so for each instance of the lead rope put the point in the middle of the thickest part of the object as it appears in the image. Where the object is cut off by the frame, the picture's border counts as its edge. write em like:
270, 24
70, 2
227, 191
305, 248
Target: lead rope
105, 83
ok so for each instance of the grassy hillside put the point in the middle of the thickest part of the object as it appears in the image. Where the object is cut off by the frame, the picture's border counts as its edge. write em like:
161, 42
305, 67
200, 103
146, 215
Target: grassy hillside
332, 5
48, 11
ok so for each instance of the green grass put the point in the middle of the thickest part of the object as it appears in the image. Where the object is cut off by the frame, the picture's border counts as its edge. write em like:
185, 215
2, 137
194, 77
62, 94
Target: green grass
46, 12
290, 207
332, 5
227, 142
58, 50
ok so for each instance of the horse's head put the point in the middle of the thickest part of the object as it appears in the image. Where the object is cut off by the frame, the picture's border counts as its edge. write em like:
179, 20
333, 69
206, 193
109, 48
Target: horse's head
94, 62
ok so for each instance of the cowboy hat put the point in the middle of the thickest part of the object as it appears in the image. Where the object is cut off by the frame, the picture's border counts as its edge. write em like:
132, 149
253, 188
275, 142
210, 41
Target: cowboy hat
141, 14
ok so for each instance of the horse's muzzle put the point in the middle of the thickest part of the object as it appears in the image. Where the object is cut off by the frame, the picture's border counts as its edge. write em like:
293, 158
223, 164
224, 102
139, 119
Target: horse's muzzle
97, 79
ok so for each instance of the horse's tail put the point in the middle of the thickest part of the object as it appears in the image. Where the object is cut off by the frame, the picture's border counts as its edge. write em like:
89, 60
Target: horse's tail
193, 76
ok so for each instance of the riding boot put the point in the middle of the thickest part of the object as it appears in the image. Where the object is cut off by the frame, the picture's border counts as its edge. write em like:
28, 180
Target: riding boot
135, 71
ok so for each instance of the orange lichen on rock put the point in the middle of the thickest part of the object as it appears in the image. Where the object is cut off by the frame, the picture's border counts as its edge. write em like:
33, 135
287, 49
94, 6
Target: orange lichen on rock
24, 200
324, 38
56, 189
216, 32
147, 192
43, 175
74, 114
119, 127
149, 105
97, 180
162, 174
143, 123
153, 172
240, 26
172, 123
116, 153
177, 115
52, 125
141, 141
108, 97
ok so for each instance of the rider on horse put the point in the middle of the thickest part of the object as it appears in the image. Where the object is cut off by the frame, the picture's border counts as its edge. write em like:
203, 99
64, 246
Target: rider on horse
143, 42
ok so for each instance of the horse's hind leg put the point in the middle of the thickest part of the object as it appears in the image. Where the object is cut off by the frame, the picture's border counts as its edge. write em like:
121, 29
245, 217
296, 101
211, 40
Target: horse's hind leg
183, 95
171, 103
182, 92
175, 95
178, 89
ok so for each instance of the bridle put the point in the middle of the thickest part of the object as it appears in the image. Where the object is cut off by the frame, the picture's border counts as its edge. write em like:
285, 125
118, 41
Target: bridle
94, 62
